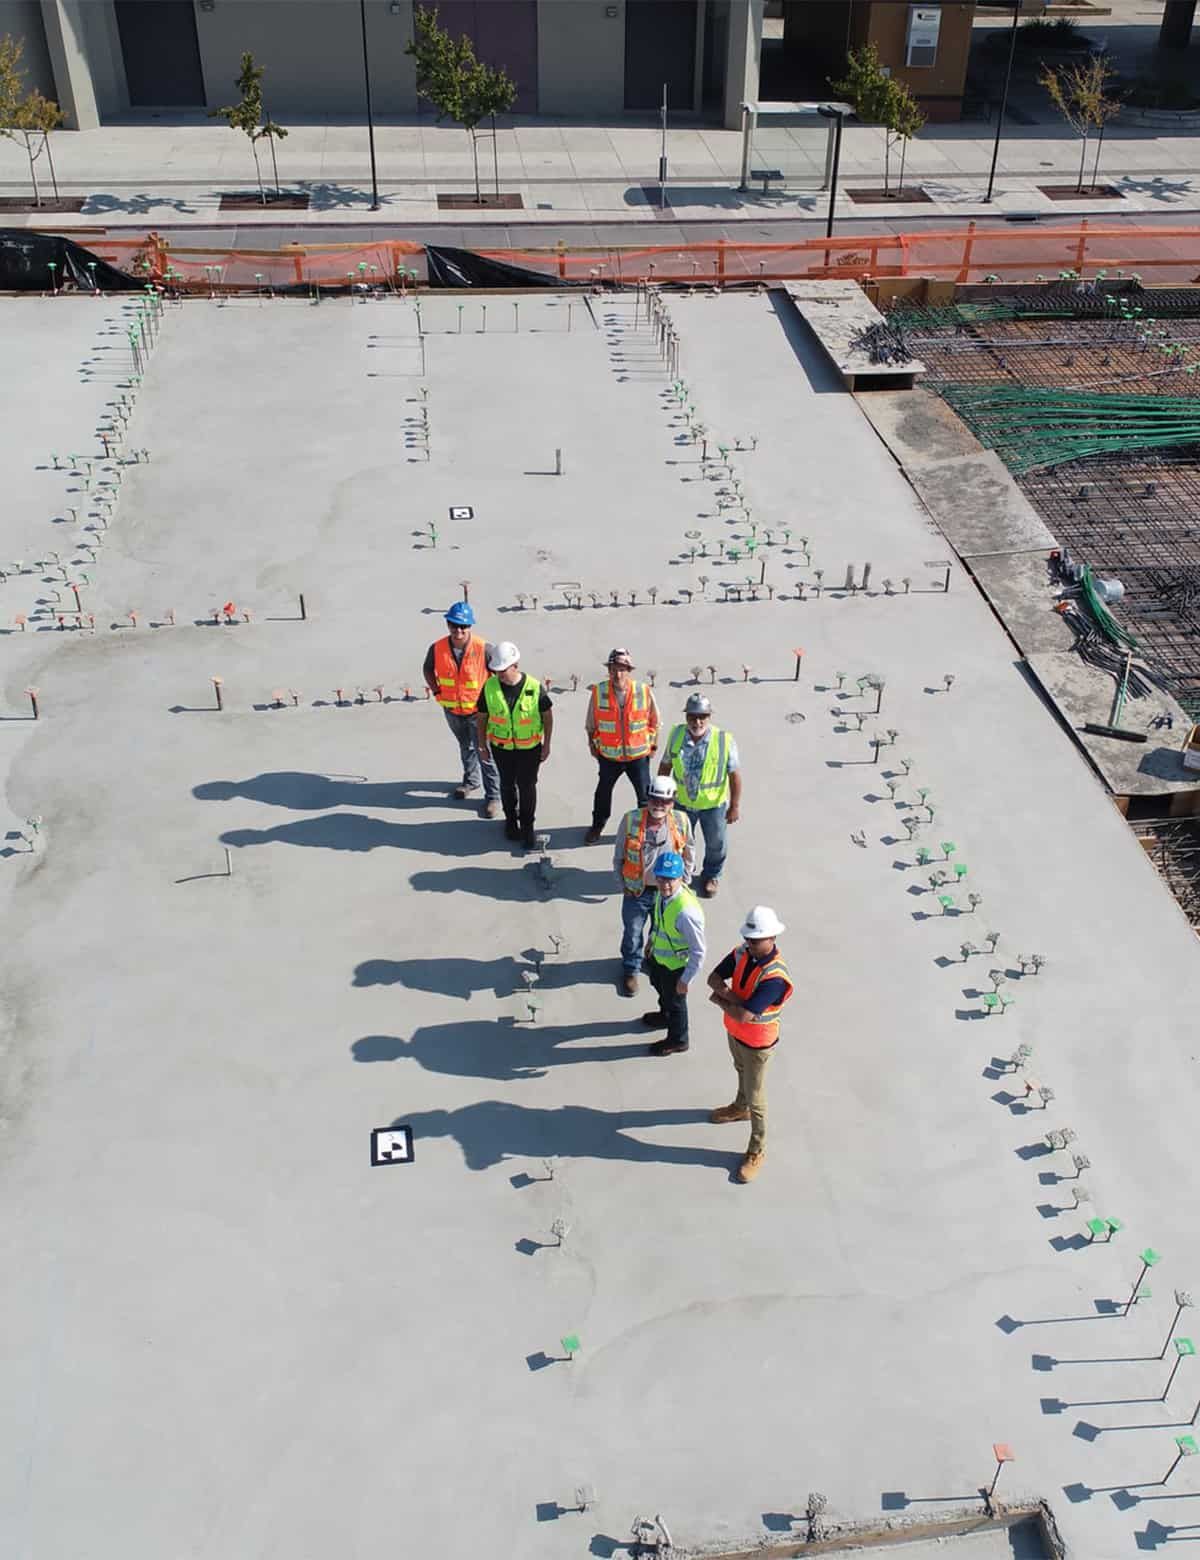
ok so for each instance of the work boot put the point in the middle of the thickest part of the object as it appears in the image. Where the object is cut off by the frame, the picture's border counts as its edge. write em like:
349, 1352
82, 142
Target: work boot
629, 983
463, 791
592, 835
528, 839
511, 832
724, 1113
667, 1047
750, 1166
708, 888
654, 1020
491, 809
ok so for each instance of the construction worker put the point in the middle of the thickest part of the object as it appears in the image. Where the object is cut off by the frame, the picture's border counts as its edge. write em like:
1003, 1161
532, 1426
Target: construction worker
515, 722
622, 730
644, 834
752, 984
674, 952
455, 672
704, 761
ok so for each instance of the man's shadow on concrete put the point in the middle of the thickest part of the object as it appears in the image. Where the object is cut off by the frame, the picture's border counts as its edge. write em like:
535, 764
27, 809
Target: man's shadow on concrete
358, 833
493, 1131
500, 1049
573, 883
461, 977
305, 792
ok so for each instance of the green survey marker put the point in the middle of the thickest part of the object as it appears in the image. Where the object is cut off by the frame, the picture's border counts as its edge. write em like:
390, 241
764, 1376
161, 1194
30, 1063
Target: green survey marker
570, 1345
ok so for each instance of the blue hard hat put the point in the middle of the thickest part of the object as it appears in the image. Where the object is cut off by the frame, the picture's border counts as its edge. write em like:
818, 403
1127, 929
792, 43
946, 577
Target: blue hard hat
461, 615
669, 865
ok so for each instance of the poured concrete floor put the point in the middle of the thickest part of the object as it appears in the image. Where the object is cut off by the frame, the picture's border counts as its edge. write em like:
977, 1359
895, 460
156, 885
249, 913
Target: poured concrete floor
223, 1333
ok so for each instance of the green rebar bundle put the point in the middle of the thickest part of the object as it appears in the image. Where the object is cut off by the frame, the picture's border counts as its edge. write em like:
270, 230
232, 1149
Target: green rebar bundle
1036, 428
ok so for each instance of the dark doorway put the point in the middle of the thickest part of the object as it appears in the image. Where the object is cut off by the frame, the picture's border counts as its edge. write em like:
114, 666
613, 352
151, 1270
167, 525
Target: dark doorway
161, 53
505, 36
660, 45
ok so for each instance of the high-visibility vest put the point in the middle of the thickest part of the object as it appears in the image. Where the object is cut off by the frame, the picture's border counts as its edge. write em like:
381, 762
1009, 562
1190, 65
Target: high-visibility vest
621, 731
762, 1030
633, 870
520, 727
713, 789
667, 944
459, 682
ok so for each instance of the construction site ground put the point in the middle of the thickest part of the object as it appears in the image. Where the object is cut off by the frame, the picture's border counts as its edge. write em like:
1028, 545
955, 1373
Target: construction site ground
224, 1331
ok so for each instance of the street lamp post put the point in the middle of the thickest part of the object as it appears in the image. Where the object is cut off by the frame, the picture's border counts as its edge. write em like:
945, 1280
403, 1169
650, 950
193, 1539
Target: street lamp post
828, 111
362, 12
1012, 50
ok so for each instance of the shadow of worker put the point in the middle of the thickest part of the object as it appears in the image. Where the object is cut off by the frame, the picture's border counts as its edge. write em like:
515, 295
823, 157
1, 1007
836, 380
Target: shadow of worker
302, 791
498, 1049
493, 1131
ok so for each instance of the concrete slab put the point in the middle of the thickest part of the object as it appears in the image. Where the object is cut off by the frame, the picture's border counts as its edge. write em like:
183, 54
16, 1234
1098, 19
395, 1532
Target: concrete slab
837, 312
979, 507
917, 426
225, 1332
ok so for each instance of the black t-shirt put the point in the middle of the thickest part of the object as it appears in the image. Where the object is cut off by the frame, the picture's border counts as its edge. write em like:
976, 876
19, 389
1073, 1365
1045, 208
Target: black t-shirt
512, 691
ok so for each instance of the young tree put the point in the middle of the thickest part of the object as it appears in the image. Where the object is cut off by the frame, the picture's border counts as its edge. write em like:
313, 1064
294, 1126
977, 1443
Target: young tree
249, 116
877, 97
26, 118
459, 85
1080, 93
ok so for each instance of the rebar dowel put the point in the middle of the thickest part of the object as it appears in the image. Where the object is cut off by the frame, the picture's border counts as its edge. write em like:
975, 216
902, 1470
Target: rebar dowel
216, 682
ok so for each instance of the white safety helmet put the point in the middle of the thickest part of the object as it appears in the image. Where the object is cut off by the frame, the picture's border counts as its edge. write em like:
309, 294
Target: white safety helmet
503, 655
761, 922
661, 789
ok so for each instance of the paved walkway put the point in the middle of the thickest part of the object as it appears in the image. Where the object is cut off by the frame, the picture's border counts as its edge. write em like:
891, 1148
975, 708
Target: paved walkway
156, 174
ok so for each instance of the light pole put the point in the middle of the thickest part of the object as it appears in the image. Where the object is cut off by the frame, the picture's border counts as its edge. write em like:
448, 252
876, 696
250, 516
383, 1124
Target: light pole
362, 12
1012, 50
828, 111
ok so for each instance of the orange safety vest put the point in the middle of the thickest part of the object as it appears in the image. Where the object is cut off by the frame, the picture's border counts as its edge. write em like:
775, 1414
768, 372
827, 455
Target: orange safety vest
633, 872
621, 731
459, 682
762, 1030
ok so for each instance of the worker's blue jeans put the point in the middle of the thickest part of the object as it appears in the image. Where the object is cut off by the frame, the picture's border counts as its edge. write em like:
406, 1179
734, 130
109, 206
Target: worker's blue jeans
635, 909
709, 821
467, 736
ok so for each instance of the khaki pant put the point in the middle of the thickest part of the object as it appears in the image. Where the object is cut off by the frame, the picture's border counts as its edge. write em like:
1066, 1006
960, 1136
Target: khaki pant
751, 1067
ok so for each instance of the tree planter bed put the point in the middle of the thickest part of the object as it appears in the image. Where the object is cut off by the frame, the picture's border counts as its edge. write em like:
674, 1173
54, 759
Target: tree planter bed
286, 200
25, 203
469, 203
909, 195
1072, 192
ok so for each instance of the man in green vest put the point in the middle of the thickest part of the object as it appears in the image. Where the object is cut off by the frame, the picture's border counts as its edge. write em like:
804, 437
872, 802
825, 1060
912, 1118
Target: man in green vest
674, 953
515, 721
704, 761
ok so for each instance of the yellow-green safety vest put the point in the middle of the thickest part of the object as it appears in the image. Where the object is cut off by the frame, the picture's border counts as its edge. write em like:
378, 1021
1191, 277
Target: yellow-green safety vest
714, 774
667, 944
520, 727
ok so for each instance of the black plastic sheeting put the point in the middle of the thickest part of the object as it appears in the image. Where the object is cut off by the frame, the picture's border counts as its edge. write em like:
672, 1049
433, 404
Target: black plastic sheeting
25, 260
462, 268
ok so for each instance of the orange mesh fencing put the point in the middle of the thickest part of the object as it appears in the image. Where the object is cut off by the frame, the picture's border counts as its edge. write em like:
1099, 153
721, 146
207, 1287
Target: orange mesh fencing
967, 254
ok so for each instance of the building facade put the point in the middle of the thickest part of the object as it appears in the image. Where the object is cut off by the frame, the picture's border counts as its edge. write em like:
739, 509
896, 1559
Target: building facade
578, 59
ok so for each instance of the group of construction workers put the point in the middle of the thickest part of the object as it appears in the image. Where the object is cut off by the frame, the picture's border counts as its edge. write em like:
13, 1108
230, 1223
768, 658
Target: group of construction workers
503, 722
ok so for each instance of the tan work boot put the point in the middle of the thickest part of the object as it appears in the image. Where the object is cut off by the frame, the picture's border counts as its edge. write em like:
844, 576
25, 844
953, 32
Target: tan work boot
750, 1166
725, 1113
629, 983
491, 809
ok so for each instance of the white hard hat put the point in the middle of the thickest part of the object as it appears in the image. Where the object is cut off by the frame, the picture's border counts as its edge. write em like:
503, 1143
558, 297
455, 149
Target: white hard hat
762, 922
662, 788
503, 655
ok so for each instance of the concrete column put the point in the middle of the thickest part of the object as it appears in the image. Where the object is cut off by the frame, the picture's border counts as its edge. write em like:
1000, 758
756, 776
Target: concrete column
66, 45
741, 61
1176, 29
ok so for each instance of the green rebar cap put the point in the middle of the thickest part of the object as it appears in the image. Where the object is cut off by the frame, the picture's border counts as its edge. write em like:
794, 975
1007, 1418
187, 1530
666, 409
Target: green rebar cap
1187, 1445
570, 1343
1150, 1257
1184, 1346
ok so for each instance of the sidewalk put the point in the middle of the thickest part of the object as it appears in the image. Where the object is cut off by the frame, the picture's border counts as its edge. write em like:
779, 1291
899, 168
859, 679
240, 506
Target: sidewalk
152, 174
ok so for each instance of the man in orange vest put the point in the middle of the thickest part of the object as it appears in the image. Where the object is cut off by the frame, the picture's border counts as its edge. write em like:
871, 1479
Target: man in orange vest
642, 837
455, 671
752, 984
622, 731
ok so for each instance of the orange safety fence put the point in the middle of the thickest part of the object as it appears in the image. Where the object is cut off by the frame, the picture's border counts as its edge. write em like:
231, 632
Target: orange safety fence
968, 254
